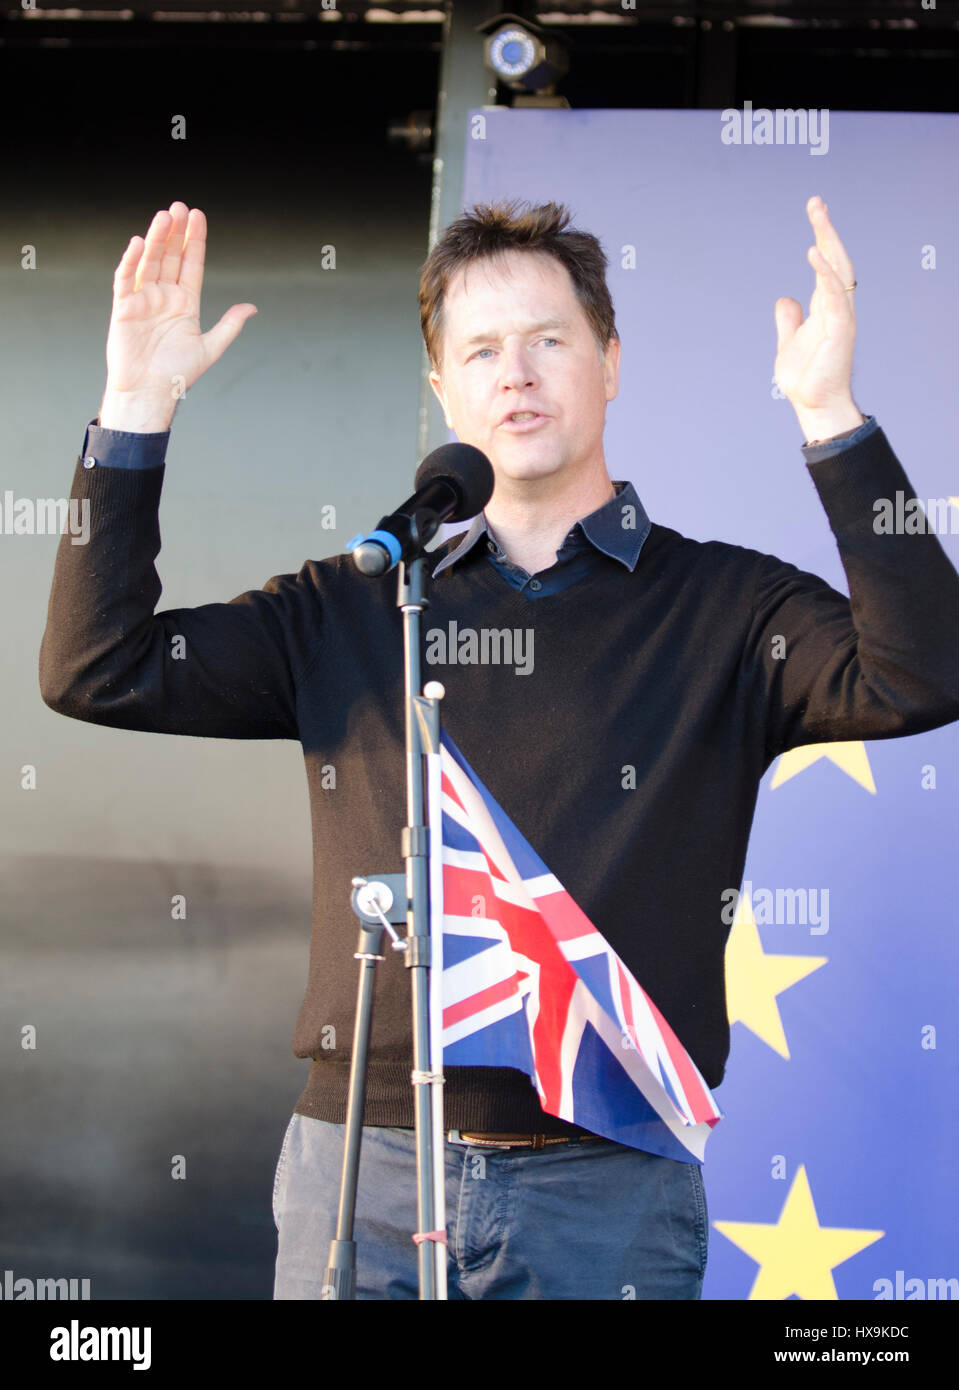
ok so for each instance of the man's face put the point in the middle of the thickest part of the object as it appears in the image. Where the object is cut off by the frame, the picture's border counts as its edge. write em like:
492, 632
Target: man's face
516, 339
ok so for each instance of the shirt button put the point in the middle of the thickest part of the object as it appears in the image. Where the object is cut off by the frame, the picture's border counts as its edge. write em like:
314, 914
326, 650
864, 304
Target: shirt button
535, 584
490, 545
89, 461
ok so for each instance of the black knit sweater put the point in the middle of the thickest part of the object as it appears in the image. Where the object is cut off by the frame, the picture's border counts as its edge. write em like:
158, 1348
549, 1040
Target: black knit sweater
629, 756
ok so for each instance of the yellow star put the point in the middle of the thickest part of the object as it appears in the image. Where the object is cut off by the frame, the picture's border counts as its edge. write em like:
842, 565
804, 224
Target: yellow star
796, 1255
753, 979
850, 757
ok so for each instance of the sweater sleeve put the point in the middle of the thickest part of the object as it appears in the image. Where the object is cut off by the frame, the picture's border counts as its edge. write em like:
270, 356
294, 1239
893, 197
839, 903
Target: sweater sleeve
221, 670
880, 664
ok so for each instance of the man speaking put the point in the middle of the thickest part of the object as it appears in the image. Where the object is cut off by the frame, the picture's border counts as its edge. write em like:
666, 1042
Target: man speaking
694, 664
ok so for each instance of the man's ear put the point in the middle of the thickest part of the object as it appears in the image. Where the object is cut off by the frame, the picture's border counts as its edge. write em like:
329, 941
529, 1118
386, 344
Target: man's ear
611, 358
440, 394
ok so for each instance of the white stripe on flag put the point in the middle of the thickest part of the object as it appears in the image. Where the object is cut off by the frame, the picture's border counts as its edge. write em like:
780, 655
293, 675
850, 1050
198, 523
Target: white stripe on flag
474, 926
478, 820
484, 1019
477, 973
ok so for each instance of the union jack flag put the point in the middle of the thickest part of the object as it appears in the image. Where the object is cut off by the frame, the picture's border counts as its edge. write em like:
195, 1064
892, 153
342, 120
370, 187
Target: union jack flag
528, 982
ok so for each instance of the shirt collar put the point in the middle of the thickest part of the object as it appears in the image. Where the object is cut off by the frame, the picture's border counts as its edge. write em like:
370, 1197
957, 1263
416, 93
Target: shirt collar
611, 529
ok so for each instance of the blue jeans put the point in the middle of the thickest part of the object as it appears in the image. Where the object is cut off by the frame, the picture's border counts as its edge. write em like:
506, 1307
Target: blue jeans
571, 1221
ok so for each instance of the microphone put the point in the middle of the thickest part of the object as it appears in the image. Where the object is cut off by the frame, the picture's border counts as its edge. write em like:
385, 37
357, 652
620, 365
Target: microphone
453, 483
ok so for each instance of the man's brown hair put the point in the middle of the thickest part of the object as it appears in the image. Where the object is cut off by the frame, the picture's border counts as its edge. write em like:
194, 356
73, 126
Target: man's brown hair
488, 230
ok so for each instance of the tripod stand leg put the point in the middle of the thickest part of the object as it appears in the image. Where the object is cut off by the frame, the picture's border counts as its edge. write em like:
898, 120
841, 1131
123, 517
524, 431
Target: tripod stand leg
339, 1280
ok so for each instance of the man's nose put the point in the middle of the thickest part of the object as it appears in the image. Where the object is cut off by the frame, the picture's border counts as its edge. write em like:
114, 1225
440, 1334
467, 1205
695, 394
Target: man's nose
516, 368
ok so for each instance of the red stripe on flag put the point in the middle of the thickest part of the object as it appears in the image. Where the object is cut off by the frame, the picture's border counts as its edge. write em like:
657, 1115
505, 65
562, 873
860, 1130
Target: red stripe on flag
461, 887
564, 917
448, 790
476, 1003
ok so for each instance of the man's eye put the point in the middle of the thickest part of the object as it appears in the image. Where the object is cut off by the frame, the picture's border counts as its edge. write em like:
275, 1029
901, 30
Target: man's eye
481, 351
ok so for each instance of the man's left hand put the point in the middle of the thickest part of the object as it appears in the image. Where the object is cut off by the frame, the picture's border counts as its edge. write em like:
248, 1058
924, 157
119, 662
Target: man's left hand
813, 366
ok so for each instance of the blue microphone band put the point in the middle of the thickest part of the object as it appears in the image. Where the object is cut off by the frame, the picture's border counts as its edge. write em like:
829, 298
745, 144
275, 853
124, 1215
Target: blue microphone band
389, 543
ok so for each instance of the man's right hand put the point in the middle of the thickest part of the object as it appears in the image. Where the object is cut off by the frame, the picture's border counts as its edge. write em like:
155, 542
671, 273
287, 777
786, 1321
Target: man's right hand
155, 349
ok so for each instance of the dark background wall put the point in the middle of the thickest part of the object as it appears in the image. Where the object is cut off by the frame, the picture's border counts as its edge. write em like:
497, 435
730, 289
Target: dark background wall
158, 1037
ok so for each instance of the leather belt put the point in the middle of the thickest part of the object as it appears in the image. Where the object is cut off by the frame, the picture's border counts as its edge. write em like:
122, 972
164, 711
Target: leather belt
519, 1141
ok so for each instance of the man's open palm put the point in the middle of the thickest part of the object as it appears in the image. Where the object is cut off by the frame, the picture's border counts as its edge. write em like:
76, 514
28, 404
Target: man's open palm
155, 346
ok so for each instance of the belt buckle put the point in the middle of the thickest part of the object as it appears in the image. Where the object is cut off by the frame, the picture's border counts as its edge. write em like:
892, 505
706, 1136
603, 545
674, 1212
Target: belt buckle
455, 1137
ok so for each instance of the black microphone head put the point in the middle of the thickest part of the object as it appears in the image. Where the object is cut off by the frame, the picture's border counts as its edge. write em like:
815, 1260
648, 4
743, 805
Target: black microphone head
468, 471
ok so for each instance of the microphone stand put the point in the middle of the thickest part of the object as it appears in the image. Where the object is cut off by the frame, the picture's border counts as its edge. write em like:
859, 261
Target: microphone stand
380, 900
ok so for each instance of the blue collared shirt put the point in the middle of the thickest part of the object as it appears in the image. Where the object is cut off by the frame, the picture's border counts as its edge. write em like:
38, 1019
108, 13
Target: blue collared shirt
610, 531
618, 529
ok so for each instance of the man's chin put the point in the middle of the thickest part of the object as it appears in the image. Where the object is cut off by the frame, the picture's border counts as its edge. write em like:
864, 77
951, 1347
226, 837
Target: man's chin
522, 469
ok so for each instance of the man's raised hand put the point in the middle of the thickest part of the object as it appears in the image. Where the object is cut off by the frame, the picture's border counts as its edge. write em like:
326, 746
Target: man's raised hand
155, 348
813, 366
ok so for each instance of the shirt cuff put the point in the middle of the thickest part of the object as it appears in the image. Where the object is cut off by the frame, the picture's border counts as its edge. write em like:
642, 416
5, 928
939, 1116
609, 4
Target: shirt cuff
814, 452
103, 448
